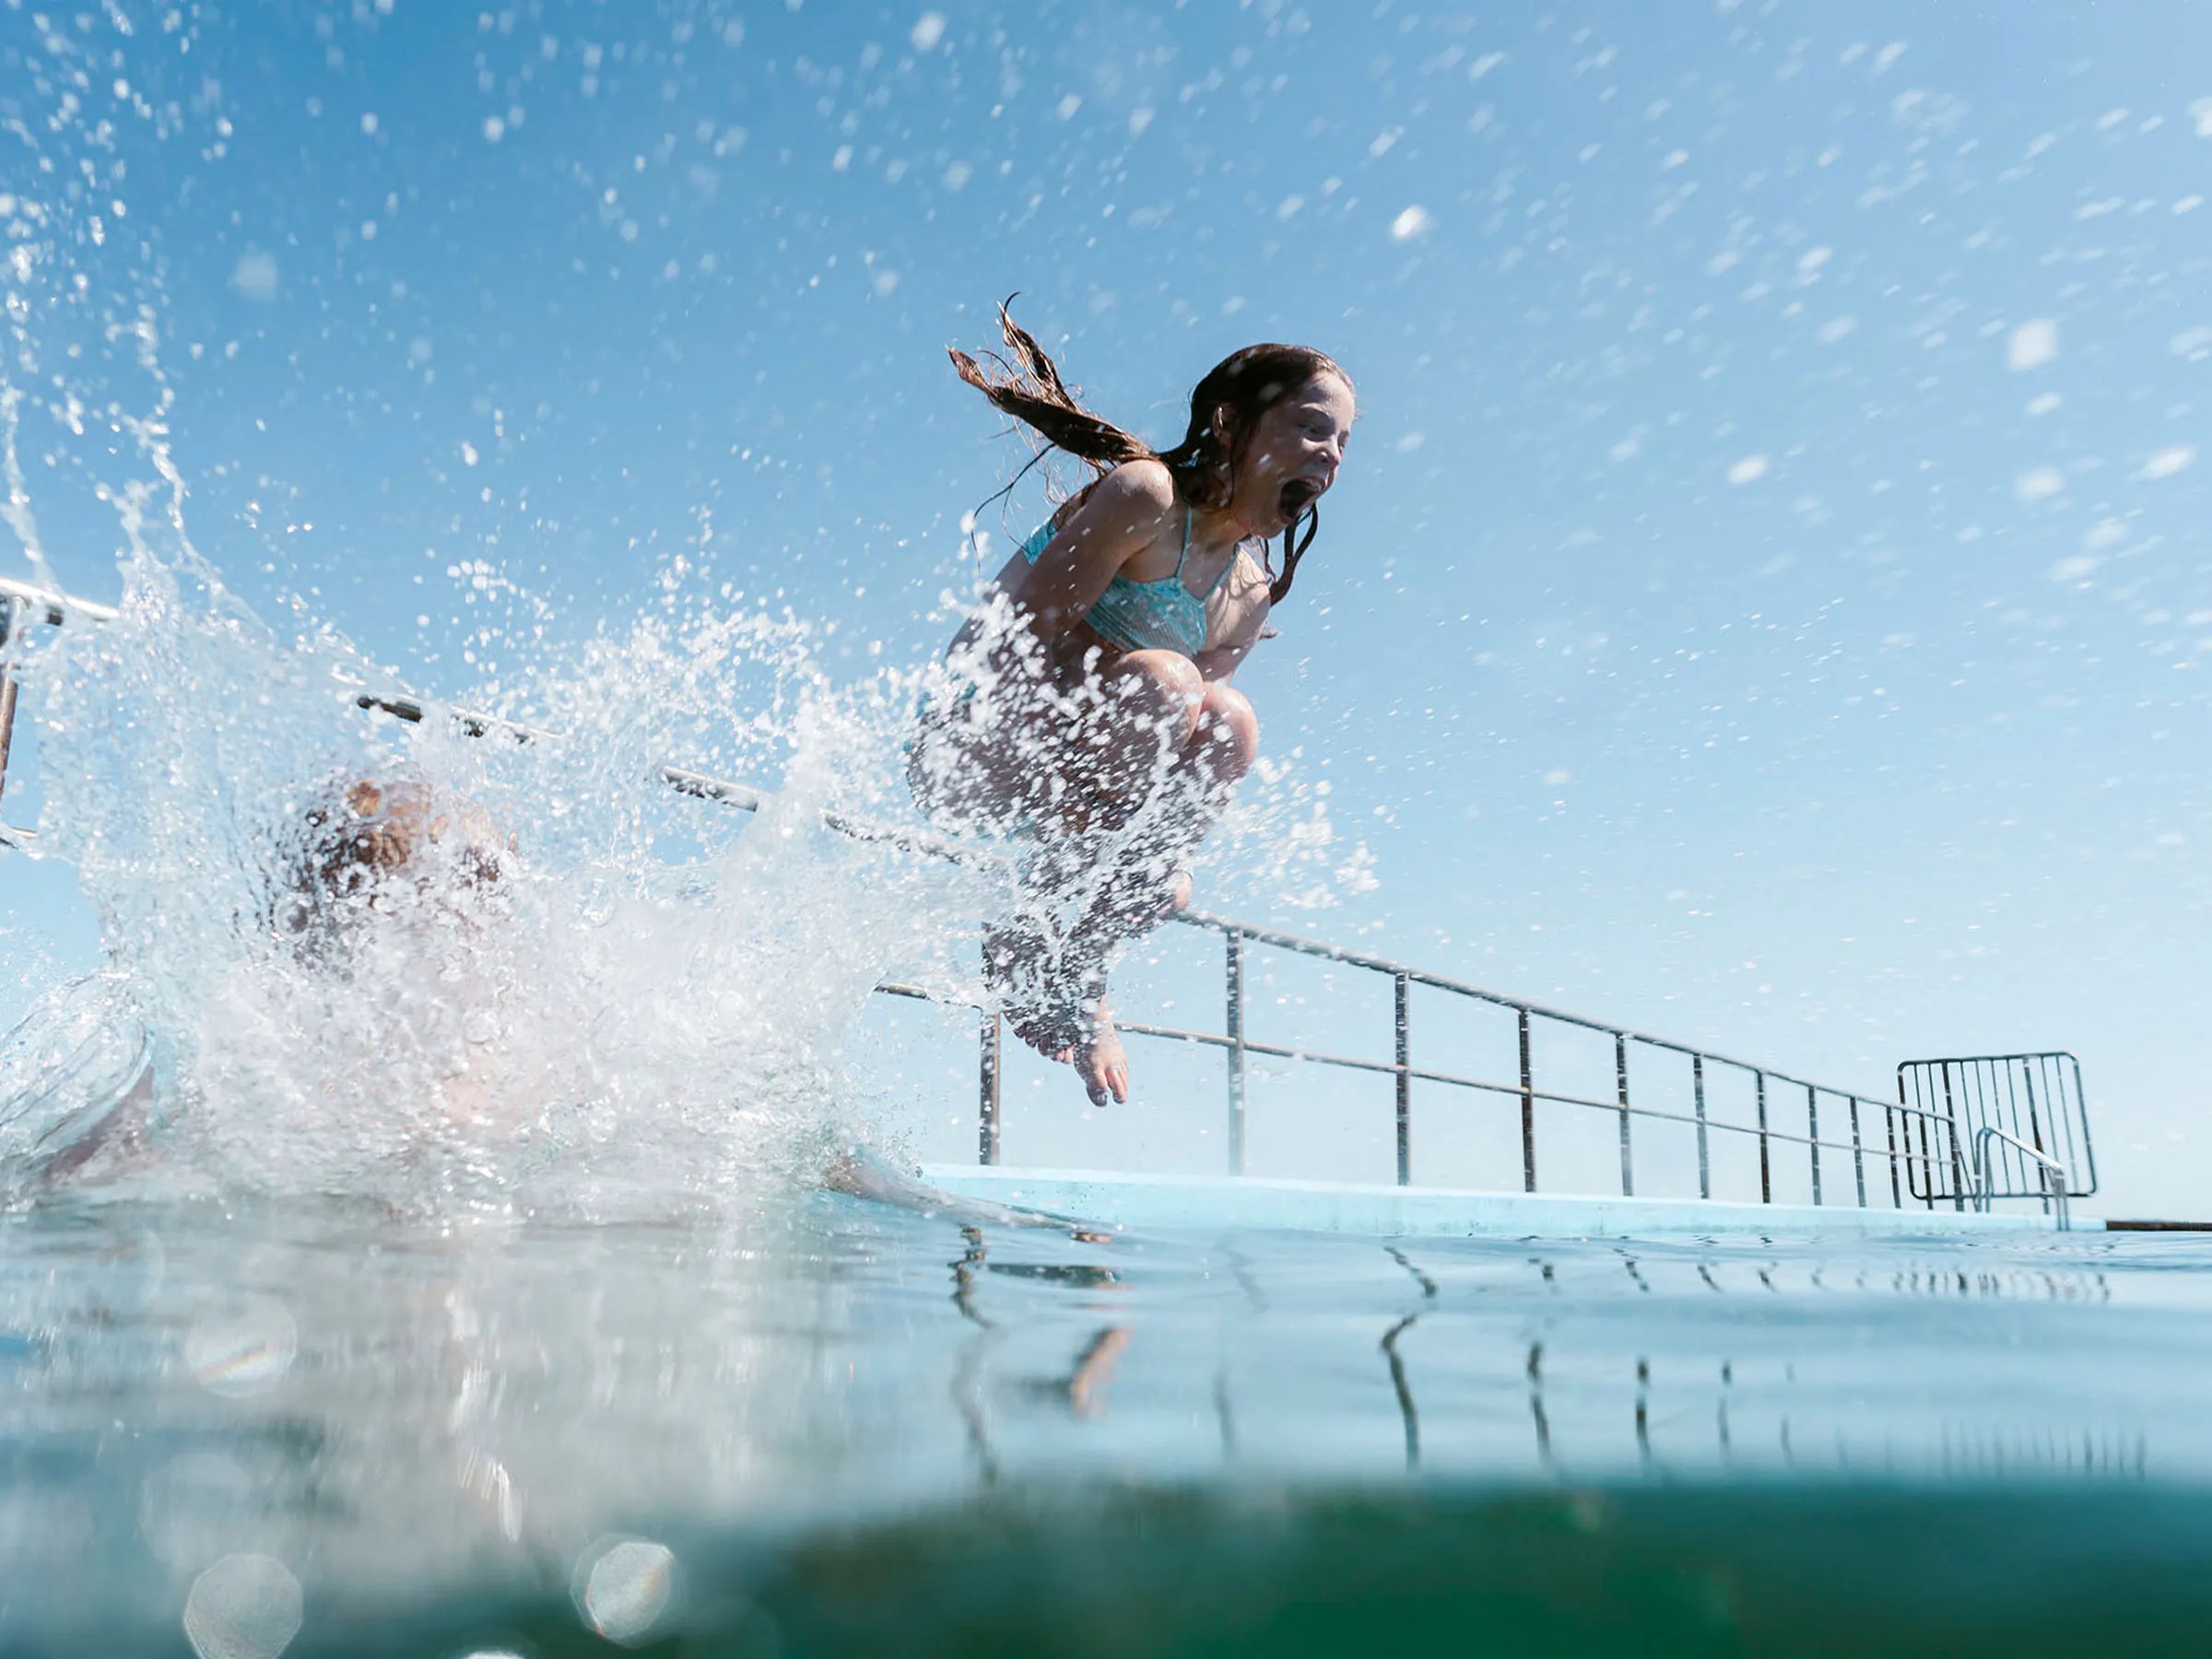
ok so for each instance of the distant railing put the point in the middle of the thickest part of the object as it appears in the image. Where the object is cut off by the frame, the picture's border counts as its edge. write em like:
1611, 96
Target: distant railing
2031, 1106
1913, 1136
1924, 1136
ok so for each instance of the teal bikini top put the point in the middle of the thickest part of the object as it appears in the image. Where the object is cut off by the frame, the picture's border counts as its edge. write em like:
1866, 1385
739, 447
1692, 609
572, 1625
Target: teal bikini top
1145, 616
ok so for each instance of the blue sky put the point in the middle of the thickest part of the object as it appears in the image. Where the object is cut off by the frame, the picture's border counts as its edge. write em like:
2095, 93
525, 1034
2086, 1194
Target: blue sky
1766, 602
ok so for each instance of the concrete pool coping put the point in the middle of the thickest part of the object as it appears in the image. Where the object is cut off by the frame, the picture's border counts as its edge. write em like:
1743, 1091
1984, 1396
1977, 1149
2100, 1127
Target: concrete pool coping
1267, 1204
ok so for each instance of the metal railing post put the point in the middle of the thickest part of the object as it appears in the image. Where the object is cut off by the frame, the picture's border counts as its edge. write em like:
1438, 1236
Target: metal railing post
1404, 988
1897, 1198
8, 721
2069, 1119
1620, 1080
1233, 953
987, 1114
1528, 1112
1812, 1132
1858, 1153
1950, 1113
7, 687
1766, 1166
1916, 1158
1697, 1079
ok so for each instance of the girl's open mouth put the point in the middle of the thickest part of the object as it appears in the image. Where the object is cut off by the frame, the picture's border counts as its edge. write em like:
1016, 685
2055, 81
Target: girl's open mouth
1298, 495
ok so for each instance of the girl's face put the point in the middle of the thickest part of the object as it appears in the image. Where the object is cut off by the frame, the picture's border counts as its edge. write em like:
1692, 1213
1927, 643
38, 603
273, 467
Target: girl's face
1293, 456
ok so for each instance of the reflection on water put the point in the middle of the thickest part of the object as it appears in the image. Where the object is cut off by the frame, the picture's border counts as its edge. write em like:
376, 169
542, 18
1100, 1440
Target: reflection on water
402, 1416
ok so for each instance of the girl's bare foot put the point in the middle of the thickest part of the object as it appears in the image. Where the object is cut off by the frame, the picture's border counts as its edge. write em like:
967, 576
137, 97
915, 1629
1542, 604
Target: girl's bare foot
1052, 991
1099, 1060
1068, 1034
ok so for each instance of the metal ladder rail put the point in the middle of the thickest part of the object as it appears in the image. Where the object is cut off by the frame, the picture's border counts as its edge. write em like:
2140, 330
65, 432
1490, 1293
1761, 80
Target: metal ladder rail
2054, 1172
1970, 1090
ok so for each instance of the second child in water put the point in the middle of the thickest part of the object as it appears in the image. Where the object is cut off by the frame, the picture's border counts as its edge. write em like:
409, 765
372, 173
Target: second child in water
1094, 713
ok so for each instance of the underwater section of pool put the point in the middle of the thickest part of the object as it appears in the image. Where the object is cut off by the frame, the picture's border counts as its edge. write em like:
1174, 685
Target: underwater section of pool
824, 1425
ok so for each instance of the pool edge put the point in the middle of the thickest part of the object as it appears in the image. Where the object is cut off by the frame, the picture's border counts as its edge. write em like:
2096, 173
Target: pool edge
1123, 1200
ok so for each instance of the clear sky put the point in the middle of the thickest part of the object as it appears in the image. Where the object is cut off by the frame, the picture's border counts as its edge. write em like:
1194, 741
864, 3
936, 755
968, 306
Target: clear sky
1766, 602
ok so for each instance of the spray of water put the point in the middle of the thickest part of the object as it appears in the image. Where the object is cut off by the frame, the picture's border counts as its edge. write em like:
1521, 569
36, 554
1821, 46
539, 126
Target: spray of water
347, 954
374, 956
395, 959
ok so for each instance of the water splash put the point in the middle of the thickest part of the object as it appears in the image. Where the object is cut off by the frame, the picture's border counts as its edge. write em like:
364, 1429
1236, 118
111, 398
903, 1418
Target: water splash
566, 976
573, 986
570, 982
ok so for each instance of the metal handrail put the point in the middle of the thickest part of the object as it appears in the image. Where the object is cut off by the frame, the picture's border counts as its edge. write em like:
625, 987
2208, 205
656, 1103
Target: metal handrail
2027, 1094
1937, 1134
746, 797
1353, 958
2054, 1172
53, 605
1422, 1074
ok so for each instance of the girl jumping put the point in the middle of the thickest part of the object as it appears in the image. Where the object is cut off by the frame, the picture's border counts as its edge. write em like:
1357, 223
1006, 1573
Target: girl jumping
1093, 713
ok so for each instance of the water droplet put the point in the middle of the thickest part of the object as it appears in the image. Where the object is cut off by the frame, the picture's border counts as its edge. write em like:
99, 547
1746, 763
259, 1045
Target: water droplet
2031, 345
245, 1606
256, 275
625, 1587
1415, 221
2168, 462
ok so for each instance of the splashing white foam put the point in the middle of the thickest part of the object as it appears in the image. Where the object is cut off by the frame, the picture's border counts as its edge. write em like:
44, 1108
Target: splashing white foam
574, 983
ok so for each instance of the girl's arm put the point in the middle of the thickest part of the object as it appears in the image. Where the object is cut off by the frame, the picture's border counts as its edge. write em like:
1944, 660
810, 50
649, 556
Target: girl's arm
1112, 521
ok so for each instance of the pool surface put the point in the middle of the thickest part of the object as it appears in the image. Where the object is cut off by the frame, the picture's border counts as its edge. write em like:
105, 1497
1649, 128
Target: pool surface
813, 1424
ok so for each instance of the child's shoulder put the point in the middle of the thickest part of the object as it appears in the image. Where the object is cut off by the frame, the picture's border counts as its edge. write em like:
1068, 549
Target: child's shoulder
1139, 484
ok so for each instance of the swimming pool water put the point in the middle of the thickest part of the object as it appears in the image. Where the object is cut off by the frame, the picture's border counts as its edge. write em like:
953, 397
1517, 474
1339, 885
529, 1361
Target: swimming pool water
817, 1425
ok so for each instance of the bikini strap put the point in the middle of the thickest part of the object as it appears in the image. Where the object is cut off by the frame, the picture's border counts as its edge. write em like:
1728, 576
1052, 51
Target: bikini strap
1186, 544
1221, 575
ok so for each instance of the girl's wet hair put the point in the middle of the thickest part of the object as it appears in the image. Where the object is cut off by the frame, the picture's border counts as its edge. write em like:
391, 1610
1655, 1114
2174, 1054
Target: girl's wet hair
1025, 382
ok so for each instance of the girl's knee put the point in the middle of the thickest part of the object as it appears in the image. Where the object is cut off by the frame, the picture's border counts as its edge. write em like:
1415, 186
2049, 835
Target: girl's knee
1165, 679
1227, 722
